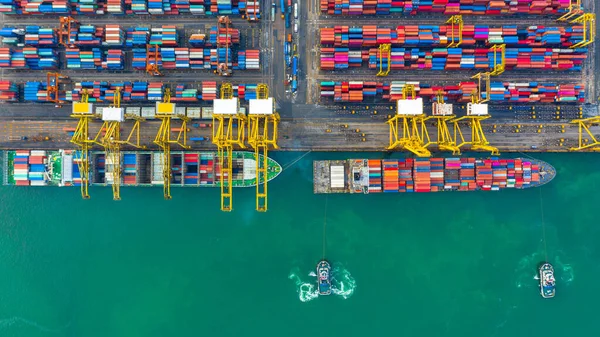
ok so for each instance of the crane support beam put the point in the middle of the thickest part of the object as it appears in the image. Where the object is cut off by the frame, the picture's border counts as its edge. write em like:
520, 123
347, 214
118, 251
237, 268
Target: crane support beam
445, 140
483, 79
588, 20
575, 9
411, 134
478, 140
262, 134
499, 65
165, 112
589, 142
456, 38
228, 130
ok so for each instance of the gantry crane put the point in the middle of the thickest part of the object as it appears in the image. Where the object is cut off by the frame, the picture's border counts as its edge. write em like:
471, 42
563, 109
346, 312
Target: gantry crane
83, 111
53, 81
590, 142
415, 136
483, 79
385, 51
441, 114
498, 66
165, 111
262, 133
456, 23
66, 31
152, 60
112, 117
226, 113
575, 9
223, 67
589, 29
477, 111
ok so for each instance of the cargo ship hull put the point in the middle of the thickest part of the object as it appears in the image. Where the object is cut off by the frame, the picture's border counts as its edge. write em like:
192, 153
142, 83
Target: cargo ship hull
429, 175
138, 168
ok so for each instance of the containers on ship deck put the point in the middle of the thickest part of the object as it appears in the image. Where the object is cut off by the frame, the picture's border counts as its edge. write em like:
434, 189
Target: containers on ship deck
129, 169
444, 174
206, 170
192, 172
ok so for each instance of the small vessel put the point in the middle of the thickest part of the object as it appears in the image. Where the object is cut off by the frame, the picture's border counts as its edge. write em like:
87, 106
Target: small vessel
324, 275
547, 281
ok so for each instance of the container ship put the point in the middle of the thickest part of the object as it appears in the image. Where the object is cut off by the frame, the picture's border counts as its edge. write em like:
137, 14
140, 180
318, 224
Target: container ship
139, 168
429, 175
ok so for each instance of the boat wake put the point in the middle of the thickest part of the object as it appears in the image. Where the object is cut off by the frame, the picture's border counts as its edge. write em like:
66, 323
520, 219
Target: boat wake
19, 321
527, 267
342, 284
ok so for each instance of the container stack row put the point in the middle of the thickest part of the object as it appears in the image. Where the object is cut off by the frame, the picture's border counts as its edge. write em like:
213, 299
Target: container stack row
448, 7
338, 58
436, 36
85, 35
132, 92
457, 174
9, 92
95, 59
29, 36
526, 92
197, 58
29, 58
117, 7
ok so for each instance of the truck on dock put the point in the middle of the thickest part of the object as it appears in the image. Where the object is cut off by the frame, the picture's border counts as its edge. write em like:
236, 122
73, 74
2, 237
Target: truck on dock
198, 139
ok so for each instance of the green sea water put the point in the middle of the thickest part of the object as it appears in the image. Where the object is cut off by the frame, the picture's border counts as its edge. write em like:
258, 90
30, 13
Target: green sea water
436, 264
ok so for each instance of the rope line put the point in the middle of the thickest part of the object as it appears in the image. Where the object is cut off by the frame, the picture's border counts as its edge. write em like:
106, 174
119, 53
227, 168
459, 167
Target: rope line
285, 167
325, 228
543, 225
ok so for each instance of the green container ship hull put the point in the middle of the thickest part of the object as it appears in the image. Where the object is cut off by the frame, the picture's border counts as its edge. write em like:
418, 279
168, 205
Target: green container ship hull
138, 168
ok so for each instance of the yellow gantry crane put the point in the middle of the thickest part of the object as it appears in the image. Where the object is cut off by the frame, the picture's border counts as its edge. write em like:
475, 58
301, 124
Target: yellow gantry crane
441, 114
413, 135
589, 29
226, 118
165, 111
385, 52
456, 22
262, 133
575, 9
498, 66
590, 142
112, 118
477, 111
83, 111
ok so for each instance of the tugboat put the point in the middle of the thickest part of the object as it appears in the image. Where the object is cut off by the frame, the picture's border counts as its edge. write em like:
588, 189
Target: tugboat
324, 275
547, 281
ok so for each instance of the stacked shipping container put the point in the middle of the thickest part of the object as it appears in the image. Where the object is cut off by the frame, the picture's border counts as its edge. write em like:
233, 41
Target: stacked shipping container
448, 7
450, 174
141, 7
527, 92
440, 36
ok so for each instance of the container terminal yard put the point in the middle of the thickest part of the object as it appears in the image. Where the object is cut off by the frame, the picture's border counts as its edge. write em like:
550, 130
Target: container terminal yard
296, 75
